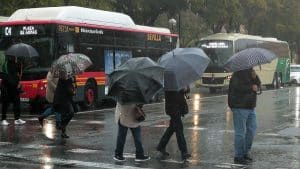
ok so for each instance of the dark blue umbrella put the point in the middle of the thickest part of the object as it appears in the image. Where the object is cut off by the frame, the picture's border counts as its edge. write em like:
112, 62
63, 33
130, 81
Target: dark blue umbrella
136, 81
22, 50
183, 66
249, 58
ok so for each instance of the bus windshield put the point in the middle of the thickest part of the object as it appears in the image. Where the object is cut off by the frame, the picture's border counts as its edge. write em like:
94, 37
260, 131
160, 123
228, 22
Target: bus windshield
36, 67
218, 51
295, 68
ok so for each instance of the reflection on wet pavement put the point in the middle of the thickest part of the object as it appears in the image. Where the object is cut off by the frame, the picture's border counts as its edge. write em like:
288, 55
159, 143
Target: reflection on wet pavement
208, 130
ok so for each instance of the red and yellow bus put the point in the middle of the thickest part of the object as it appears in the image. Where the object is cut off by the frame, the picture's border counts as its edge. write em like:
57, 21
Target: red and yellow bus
108, 38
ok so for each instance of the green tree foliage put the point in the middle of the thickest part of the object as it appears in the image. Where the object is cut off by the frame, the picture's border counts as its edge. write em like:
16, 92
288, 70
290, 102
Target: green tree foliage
145, 12
219, 14
274, 18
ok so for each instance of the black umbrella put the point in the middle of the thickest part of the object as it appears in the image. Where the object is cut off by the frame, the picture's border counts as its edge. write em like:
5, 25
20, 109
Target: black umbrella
136, 81
21, 50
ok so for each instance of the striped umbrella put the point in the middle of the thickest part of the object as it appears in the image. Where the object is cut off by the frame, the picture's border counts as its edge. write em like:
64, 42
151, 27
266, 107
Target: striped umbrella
249, 58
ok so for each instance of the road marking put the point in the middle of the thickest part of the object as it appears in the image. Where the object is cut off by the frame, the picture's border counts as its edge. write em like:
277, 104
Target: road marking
161, 126
37, 146
80, 150
129, 155
5, 143
57, 161
95, 122
196, 128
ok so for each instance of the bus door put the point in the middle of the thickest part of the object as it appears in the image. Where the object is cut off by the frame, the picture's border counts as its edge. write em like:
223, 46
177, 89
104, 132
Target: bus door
122, 56
114, 58
91, 83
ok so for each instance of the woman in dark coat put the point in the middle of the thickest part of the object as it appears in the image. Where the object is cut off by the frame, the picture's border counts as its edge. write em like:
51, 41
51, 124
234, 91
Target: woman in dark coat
176, 107
63, 102
242, 95
10, 89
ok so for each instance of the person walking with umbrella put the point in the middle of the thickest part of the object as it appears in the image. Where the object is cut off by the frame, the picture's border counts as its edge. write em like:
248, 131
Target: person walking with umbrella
65, 68
134, 83
182, 67
125, 118
63, 102
244, 86
50, 90
11, 90
176, 107
242, 96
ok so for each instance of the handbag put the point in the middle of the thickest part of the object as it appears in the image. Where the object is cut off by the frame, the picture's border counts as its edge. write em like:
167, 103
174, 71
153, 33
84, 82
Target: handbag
139, 114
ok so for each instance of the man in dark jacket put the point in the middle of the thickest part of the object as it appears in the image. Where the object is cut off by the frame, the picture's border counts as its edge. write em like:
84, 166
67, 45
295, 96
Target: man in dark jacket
10, 89
176, 107
242, 95
63, 102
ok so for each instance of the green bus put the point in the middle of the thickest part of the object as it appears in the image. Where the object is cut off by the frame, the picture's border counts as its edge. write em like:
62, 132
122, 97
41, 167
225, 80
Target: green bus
221, 46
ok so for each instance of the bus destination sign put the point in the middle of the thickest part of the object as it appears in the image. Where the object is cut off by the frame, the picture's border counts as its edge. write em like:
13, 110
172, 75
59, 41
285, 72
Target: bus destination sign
65, 29
153, 37
76, 29
23, 30
215, 45
28, 30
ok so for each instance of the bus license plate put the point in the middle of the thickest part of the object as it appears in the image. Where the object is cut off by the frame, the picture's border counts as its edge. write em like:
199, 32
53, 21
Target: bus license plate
24, 99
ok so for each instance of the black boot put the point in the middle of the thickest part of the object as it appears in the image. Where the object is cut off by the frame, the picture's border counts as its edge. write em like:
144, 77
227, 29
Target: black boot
163, 152
185, 156
63, 133
41, 120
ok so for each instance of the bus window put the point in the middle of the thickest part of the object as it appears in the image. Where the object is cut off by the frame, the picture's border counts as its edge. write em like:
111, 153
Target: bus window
121, 56
109, 61
219, 52
96, 54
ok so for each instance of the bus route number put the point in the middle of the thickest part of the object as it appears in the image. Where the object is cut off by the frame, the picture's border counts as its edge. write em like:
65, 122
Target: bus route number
64, 28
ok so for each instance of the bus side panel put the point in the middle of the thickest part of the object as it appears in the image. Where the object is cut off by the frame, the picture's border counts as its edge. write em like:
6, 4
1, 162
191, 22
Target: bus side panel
266, 72
79, 96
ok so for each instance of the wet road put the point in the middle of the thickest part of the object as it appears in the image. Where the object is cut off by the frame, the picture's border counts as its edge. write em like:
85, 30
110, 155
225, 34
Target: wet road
208, 130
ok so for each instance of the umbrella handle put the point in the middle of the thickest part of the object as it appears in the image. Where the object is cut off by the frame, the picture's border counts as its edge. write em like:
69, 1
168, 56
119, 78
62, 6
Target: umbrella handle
259, 92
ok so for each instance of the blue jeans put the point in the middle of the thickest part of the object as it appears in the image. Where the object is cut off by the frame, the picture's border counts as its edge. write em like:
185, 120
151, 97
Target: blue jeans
122, 133
245, 126
49, 111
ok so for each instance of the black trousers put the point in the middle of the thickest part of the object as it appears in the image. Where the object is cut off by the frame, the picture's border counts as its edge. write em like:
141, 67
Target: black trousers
15, 100
177, 127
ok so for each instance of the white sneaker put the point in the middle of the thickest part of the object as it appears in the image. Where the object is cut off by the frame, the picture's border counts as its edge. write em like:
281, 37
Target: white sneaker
19, 121
4, 123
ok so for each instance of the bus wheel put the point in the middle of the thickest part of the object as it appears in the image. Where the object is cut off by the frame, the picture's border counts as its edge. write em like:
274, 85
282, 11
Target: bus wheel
90, 96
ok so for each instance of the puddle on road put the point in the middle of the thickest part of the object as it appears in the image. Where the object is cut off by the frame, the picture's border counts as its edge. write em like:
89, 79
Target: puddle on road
291, 131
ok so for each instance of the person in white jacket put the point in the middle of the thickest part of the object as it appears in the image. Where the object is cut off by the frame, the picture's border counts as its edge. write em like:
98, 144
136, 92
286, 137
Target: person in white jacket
125, 118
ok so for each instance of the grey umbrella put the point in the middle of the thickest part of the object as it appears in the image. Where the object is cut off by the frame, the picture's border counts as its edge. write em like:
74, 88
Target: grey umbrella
21, 50
137, 80
182, 67
249, 58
